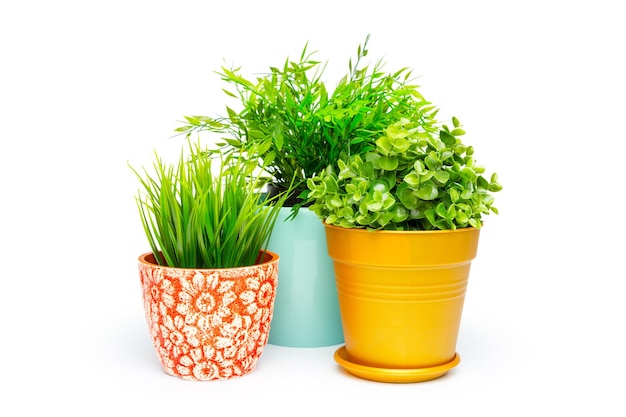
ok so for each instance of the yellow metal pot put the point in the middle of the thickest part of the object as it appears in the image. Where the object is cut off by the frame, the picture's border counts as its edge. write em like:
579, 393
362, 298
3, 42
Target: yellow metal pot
401, 297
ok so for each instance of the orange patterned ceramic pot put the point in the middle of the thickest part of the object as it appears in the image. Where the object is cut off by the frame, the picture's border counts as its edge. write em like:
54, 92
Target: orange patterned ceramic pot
209, 324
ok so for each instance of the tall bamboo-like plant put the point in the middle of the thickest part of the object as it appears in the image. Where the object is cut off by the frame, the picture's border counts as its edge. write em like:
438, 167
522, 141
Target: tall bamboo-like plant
205, 212
296, 126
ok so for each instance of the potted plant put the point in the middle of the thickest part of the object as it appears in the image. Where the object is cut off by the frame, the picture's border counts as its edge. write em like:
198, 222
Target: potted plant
295, 125
208, 283
402, 225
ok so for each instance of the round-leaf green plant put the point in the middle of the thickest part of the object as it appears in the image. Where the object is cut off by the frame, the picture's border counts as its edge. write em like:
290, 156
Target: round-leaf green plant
414, 180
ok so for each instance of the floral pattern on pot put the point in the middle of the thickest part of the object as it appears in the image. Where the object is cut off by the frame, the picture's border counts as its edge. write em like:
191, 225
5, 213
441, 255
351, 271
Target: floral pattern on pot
209, 324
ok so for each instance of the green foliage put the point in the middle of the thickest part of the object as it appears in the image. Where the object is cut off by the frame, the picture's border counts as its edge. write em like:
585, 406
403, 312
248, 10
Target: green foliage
295, 126
414, 180
205, 212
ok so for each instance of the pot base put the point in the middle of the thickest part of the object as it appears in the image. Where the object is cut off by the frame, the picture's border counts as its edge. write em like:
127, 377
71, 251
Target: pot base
393, 375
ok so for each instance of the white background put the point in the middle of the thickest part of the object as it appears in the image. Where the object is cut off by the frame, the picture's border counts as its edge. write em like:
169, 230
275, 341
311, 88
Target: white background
86, 87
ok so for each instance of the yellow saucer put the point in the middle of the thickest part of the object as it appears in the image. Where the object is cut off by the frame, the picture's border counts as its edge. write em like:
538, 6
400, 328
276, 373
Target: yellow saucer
393, 375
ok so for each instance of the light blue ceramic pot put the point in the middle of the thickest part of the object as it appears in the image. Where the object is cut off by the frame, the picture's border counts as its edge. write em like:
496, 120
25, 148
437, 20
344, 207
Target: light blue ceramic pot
306, 310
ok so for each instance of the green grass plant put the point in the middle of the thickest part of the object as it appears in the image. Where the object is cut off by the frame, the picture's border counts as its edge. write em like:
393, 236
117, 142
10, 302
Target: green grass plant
204, 211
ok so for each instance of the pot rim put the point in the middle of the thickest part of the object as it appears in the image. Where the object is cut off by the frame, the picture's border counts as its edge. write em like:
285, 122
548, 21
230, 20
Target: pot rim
399, 232
273, 258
